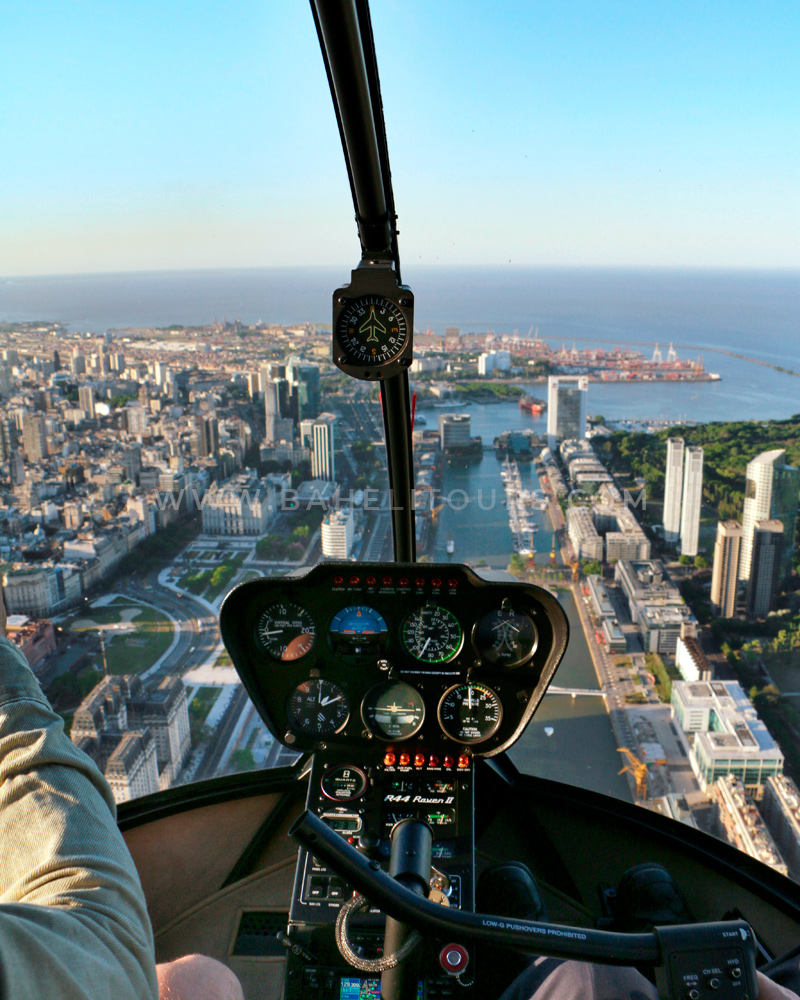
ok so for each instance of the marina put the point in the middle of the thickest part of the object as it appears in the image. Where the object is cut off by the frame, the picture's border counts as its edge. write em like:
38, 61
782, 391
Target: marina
520, 503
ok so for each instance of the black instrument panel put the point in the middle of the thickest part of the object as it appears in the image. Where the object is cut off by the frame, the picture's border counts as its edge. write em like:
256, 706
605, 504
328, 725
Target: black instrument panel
427, 658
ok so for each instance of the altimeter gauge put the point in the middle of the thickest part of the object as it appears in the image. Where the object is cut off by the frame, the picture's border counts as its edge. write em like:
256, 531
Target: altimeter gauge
505, 638
286, 631
318, 708
470, 713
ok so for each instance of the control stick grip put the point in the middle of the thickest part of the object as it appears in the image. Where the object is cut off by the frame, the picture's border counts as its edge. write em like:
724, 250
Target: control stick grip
410, 865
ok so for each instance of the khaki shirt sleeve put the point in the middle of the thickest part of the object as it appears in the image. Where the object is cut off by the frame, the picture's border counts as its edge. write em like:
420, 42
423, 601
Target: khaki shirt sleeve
73, 920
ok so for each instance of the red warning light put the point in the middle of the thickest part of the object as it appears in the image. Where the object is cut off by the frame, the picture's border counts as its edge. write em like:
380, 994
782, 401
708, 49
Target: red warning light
405, 759
419, 759
388, 759
448, 762
436, 582
387, 581
463, 760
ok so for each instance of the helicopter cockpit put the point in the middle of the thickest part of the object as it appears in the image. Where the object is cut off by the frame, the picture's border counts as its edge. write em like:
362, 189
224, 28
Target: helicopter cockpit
401, 685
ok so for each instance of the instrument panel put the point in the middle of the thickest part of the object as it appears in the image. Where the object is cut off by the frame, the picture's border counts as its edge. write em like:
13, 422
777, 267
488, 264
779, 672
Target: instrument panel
423, 655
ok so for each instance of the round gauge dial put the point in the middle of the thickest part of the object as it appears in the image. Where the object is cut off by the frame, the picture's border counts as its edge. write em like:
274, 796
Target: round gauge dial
343, 783
372, 330
505, 638
432, 634
358, 629
470, 713
286, 631
318, 708
393, 711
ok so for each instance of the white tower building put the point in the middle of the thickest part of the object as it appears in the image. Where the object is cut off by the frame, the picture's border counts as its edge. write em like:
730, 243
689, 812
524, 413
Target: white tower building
566, 408
673, 490
692, 498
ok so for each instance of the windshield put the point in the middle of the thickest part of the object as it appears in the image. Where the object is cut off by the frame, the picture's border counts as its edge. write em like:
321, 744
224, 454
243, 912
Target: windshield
598, 221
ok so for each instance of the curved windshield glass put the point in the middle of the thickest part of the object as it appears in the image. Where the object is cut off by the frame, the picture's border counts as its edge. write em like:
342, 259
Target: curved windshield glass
597, 223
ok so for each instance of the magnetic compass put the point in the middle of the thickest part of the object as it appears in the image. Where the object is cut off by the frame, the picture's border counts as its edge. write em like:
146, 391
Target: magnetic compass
373, 322
372, 330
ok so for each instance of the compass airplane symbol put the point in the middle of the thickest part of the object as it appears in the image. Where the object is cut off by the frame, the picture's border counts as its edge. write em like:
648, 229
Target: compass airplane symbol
373, 326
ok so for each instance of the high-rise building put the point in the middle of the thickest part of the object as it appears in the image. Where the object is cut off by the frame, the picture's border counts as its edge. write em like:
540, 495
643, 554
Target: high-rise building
34, 439
323, 465
762, 587
455, 430
771, 492
306, 396
692, 498
566, 408
137, 419
16, 469
673, 490
725, 575
337, 534
86, 401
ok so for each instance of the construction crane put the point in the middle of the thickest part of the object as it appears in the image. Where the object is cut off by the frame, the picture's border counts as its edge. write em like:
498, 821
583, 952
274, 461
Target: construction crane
435, 513
638, 769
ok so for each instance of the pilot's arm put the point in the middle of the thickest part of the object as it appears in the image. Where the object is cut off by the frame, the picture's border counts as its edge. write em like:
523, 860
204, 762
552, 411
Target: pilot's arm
73, 920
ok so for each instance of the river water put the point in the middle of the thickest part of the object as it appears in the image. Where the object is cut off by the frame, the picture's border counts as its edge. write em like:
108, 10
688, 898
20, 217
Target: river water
581, 749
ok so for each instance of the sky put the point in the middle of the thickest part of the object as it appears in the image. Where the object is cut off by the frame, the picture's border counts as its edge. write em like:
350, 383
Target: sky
190, 134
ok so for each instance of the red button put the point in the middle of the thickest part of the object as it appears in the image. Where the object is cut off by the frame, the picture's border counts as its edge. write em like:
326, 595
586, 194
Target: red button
370, 581
419, 759
448, 762
388, 759
463, 760
405, 759
433, 761
354, 581
453, 958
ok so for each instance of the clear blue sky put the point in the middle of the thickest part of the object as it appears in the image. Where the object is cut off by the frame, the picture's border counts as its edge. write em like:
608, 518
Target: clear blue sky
200, 134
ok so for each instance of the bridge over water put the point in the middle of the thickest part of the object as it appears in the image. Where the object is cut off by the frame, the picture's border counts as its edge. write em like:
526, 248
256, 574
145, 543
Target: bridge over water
575, 692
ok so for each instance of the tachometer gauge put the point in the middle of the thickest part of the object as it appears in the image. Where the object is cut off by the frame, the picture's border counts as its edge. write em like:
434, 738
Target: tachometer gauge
357, 630
286, 631
505, 638
372, 330
318, 708
432, 634
393, 711
470, 713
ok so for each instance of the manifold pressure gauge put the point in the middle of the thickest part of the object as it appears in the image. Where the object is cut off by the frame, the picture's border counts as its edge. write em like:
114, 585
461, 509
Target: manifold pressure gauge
373, 320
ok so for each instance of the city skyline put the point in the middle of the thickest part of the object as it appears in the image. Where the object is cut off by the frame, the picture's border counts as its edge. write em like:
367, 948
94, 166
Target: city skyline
628, 140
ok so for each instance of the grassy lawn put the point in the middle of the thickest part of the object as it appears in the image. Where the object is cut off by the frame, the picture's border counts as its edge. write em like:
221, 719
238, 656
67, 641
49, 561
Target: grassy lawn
251, 574
134, 650
784, 668
204, 699
223, 660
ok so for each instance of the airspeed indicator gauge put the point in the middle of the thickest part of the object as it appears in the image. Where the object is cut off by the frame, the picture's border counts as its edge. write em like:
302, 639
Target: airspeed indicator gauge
286, 631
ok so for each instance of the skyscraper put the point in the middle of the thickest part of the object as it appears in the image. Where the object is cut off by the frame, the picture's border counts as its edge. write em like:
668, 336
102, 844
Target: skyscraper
566, 408
771, 492
725, 576
86, 401
276, 408
323, 465
765, 563
34, 439
306, 396
673, 490
692, 498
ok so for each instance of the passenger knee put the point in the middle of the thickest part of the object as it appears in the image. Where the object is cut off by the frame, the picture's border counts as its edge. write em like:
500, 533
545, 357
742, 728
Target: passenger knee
197, 977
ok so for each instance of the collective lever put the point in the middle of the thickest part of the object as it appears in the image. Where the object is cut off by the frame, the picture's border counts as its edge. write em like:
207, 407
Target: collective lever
410, 865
